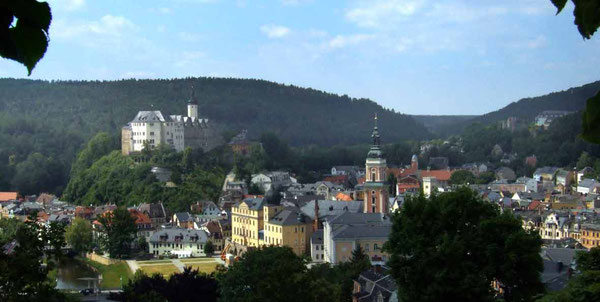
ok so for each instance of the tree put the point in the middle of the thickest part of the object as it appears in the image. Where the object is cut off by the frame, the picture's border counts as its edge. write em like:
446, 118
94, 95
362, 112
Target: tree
189, 286
360, 260
259, 276
209, 248
142, 244
585, 160
118, 229
27, 40
79, 235
462, 177
53, 236
451, 247
587, 19
392, 182
23, 277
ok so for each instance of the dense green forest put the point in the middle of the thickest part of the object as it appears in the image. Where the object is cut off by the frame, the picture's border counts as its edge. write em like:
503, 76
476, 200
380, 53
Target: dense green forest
46, 126
43, 125
526, 109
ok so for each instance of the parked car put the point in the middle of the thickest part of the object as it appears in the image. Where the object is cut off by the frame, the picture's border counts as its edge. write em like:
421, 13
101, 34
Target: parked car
86, 291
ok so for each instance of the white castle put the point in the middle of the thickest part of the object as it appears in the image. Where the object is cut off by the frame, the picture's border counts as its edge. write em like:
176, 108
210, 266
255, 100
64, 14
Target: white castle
152, 128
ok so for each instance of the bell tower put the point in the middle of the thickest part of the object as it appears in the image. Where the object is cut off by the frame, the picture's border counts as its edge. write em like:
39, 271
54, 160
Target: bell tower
192, 106
376, 197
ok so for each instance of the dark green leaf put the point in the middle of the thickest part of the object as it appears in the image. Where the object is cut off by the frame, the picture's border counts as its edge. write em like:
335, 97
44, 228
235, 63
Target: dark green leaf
27, 41
591, 120
587, 16
560, 4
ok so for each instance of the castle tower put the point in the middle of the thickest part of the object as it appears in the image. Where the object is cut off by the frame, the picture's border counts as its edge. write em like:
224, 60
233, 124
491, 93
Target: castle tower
192, 106
376, 197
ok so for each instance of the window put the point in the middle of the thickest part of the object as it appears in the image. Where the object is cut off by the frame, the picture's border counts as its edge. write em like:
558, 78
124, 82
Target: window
375, 247
317, 248
372, 174
152, 133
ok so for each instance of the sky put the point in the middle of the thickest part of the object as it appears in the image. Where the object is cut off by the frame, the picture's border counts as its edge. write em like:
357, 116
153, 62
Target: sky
414, 56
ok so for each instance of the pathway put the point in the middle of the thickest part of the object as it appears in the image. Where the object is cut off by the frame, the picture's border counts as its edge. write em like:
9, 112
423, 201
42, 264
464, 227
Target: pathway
178, 264
133, 265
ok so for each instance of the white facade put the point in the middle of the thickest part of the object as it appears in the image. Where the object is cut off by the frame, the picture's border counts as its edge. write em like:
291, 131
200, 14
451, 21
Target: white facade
153, 128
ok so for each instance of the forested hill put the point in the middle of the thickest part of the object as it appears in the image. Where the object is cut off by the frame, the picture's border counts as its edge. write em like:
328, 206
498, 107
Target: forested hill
572, 99
299, 115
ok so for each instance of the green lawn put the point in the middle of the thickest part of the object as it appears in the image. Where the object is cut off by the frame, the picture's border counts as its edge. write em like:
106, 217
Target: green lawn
197, 260
111, 273
163, 269
204, 267
153, 261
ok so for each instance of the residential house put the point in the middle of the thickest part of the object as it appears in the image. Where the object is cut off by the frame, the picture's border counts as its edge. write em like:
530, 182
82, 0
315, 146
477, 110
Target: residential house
287, 227
590, 235
531, 184
345, 170
182, 243
545, 173
216, 233
240, 144
555, 227
183, 220
408, 183
581, 173
344, 233
587, 186
317, 248
9, 196
564, 177
143, 223
375, 285
156, 211
272, 180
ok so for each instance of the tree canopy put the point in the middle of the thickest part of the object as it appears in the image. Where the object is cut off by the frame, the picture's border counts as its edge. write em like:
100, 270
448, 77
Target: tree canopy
452, 246
118, 230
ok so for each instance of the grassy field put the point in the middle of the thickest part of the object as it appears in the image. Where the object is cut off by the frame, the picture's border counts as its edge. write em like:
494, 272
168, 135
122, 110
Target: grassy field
197, 260
153, 261
111, 273
163, 269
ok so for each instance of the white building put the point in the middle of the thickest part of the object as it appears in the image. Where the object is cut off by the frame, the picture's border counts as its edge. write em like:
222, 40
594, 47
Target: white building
317, 248
152, 128
177, 131
183, 243
531, 185
587, 186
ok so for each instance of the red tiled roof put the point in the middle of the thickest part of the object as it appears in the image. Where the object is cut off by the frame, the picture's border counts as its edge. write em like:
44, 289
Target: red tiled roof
140, 218
6, 196
343, 197
443, 175
253, 196
402, 172
534, 205
338, 179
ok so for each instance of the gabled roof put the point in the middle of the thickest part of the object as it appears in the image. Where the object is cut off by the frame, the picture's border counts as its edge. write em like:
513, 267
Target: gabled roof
6, 196
289, 216
183, 216
442, 175
149, 117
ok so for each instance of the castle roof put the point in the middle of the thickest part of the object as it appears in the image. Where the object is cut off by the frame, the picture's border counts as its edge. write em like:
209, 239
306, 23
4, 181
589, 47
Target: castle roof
150, 116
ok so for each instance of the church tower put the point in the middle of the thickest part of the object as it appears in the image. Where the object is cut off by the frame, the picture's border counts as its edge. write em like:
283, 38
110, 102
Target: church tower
376, 197
192, 106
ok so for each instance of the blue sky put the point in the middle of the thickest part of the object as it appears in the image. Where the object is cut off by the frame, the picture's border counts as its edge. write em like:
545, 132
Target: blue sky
415, 56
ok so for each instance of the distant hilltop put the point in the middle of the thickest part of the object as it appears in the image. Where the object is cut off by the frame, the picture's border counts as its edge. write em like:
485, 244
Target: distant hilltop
301, 116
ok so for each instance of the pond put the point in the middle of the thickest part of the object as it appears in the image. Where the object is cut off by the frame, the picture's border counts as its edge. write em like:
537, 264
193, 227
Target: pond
69, 273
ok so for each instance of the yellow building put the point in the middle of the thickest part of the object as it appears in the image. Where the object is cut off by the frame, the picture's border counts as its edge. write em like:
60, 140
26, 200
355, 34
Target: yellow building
288, 227
247, 222
590, 235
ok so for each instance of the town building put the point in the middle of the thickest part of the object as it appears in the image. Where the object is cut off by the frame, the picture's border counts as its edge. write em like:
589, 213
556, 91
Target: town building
344, 233
590, 235
375, 285
247, 219
545, 118
152, 128
182, 243
287, 227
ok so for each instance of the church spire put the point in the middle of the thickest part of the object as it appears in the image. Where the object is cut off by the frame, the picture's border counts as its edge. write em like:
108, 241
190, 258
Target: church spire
193, 99
375, 135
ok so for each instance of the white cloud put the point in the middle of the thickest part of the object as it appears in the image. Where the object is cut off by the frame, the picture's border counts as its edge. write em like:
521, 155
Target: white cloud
138, 75
274, 31
341, 41
189, 57
108, 25
375, 13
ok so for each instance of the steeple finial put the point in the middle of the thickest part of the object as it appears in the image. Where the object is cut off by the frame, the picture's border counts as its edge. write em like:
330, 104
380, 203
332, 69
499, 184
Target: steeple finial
375, 134
193, 96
